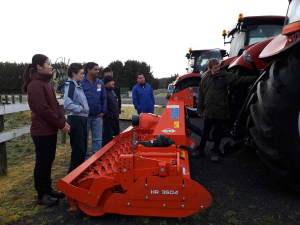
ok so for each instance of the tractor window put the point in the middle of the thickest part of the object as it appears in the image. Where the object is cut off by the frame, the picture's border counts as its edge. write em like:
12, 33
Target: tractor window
293, 13
201, 61
263, 32
237, 43
171, 88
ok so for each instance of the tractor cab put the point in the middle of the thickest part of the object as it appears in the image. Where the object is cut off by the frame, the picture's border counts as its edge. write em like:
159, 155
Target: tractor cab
198, 59
250, 30
292, 20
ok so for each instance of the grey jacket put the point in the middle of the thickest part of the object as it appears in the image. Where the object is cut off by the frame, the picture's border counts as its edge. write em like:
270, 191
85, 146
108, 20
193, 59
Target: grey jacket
75, 100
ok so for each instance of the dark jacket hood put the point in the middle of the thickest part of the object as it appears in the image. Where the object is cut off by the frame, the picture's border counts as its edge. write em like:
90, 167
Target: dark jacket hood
41, 76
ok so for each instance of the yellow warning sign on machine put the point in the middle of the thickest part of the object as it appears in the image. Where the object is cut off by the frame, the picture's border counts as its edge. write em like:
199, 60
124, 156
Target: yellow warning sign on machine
182, 154
176, 124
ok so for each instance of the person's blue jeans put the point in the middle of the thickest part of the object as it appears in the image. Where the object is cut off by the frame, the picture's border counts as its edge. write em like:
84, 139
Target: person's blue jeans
95, 125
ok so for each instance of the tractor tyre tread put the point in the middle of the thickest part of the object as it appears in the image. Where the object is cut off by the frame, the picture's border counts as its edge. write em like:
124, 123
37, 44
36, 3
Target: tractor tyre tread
275, 116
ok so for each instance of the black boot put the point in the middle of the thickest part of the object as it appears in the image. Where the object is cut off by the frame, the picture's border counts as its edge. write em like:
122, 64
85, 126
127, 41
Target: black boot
215, 155
199, 152
48, 201
55, 194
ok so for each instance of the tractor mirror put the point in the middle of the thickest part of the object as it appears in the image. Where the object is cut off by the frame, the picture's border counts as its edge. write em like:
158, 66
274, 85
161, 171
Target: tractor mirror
247, 58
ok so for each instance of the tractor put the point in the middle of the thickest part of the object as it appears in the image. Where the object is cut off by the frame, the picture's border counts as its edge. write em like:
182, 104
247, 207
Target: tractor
269, 120
245, 34
252, 34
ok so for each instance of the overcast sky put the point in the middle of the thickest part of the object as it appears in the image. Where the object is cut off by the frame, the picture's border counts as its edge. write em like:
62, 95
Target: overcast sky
157, 32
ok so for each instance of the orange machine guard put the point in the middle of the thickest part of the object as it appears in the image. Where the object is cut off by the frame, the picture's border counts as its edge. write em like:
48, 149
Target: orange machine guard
130, 178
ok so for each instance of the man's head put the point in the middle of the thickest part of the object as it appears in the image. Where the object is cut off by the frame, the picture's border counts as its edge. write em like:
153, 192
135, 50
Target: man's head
108, 72
92, 69
140, 79
109, 81
214, 65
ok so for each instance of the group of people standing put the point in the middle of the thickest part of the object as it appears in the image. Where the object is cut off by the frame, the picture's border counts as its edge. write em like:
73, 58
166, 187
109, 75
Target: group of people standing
93, 105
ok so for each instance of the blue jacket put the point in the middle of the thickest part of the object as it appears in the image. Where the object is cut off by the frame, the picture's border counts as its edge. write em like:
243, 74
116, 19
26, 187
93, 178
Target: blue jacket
143, 98
75, 100
96, 96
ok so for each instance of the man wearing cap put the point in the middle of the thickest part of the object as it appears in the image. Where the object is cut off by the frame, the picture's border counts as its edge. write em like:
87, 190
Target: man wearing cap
109, 72
111, 119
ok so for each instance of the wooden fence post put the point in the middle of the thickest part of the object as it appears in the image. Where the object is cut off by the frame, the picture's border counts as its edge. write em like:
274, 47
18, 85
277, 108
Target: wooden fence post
3, 157
63, 135
6, 99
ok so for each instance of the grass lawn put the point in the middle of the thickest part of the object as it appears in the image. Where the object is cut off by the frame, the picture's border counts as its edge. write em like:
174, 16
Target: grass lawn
161, 95
17, 193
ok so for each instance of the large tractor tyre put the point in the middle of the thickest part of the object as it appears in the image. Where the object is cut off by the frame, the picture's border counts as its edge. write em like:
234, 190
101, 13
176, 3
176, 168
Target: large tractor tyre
276, 118
194, 83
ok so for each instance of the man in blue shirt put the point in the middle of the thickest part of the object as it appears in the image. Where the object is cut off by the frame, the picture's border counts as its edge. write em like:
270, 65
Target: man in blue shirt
94, 91
142, 96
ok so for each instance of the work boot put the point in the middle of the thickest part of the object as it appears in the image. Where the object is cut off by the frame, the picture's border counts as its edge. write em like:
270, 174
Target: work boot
55, 194
48, 201
199, 152
215, 158
215, 155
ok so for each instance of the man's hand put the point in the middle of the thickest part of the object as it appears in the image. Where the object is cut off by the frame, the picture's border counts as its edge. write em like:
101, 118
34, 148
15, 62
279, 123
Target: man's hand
200, 115
66, 128
101, 115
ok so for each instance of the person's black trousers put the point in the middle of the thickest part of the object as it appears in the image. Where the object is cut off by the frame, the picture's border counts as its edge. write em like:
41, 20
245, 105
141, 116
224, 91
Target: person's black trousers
217, 133
111, 128
78, 140
45, 148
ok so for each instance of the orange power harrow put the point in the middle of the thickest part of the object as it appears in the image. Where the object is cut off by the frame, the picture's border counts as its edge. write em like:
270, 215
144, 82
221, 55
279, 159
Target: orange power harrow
143, 171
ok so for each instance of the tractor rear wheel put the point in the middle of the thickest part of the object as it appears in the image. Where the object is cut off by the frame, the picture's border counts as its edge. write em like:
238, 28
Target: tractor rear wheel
276, 118
194, 83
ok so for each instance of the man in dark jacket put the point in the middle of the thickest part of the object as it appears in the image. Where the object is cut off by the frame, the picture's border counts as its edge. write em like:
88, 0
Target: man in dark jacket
213, 103
109, 72
111, 119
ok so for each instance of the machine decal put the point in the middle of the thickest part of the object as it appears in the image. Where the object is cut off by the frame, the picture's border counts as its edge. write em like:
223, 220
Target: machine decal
184, 171
176, 124
164, 192
172, 106
168, 131
182, 154
175, 113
